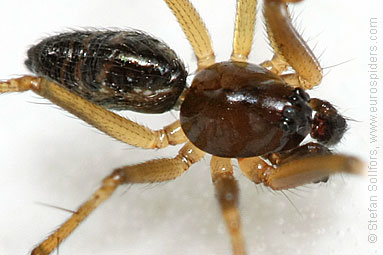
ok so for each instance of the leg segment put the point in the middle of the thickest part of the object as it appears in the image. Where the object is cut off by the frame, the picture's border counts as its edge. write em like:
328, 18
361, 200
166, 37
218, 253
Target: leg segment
244, 29
276, 65
108, 122
289, 47
227, 194
306, 164
195, 31
152, 171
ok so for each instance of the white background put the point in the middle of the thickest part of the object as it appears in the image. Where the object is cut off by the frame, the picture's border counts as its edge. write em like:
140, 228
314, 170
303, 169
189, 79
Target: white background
48, 156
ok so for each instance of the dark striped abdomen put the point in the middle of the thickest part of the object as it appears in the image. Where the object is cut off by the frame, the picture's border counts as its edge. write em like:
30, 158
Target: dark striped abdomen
123, 70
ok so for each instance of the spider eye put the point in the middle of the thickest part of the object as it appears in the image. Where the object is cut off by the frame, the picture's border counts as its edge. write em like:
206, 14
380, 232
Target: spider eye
289, 124
289, 112
328, 125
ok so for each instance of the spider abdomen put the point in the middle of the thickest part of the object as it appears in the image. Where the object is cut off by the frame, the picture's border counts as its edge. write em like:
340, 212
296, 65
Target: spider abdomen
236, 109
123, 70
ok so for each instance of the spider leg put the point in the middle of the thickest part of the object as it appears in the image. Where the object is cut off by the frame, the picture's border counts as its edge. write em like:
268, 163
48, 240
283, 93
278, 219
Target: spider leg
306, 164
195, 31
244, 29
159, 170
226, 189
276, 65
108, 122
289, 47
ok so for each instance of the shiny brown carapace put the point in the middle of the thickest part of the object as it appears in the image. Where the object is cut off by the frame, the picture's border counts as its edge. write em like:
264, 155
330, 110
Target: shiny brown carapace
258, 115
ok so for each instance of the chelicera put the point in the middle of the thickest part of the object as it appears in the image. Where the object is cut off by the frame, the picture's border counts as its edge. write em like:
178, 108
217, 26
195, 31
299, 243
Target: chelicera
257, 114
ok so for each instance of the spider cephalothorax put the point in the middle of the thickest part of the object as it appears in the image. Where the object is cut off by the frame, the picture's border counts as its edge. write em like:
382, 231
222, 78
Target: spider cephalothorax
251, 112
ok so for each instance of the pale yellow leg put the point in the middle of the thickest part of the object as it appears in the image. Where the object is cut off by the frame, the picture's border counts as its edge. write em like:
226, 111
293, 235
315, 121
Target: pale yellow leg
253, 168
152, 171
195, 31
276, 65
298, 172
244, 29
227, 194
290, 47
108, 122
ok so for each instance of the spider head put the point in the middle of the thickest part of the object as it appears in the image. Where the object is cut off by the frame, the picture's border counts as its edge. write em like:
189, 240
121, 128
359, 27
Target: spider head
328, 126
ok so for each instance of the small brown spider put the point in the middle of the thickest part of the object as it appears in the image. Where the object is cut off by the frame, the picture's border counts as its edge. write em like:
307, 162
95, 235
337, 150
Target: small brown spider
242, 57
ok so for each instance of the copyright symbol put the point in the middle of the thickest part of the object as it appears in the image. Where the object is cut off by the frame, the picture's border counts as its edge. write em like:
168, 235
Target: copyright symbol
372, 238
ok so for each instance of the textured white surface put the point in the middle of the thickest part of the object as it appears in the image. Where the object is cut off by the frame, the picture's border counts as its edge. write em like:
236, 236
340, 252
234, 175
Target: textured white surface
48, 156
